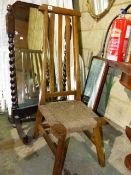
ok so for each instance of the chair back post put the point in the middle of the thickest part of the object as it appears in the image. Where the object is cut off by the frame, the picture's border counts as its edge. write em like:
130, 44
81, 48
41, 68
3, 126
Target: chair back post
42, 99
76, 58
60, 81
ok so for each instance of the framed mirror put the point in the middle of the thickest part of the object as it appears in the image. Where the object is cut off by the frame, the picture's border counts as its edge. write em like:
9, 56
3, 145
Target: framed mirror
98, 8
95, 81
25, 32
25, 24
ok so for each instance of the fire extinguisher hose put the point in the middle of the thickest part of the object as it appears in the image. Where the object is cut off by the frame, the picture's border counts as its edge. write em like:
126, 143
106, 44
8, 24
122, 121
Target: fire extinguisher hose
124, 11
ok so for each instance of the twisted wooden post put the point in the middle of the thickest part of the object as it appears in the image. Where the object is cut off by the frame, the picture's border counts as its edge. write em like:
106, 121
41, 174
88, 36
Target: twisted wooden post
11, 33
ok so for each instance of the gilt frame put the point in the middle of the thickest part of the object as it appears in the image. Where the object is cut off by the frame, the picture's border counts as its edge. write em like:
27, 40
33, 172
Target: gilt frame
99, 16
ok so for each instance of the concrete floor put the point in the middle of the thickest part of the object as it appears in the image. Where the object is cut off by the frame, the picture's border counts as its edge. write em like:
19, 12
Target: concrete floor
37, 159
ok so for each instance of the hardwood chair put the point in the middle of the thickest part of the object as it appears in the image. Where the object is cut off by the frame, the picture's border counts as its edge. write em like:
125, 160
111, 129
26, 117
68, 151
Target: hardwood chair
64, 117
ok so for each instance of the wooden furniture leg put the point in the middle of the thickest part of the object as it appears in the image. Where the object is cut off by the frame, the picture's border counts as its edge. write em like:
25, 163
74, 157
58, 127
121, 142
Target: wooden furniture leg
97, 135
128, 157
128, 161
60, 131
128, 132
38, 121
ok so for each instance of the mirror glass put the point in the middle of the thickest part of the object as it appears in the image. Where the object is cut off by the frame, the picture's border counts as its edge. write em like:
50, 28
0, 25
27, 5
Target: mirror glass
93, 81
98, 8
28, 52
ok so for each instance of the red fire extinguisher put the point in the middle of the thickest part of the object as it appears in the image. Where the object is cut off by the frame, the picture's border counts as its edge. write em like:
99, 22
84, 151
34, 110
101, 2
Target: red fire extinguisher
119, 39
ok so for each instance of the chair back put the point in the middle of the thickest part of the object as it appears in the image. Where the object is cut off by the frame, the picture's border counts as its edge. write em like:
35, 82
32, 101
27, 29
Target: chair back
56, 20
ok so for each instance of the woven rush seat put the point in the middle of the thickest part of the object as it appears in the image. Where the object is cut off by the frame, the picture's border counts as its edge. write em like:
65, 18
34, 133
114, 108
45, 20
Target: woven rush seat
74, 115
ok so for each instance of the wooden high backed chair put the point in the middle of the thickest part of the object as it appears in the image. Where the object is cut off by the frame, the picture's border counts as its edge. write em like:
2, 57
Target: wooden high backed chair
63, 117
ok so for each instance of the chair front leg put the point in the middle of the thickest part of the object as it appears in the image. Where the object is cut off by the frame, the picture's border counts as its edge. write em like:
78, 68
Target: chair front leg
60, 132
97, 135
37, 122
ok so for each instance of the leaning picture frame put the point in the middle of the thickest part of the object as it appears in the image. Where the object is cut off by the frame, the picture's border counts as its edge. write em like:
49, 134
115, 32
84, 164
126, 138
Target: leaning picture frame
98, 71
103, 91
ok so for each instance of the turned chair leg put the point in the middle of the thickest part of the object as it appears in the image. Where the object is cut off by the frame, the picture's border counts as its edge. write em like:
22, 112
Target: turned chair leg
97, 135
38, 121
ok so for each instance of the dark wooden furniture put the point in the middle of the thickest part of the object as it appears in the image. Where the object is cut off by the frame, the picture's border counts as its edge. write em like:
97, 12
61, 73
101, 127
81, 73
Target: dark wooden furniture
126, 74
22, 66
125, 80
128, 157
64, 117
125, 67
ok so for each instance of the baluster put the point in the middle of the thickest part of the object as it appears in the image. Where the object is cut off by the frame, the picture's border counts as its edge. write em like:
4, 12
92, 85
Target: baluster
11, 33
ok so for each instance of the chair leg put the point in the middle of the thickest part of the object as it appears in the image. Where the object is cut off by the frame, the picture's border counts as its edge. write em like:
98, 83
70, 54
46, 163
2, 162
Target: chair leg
38, 121
97, 135
60, 151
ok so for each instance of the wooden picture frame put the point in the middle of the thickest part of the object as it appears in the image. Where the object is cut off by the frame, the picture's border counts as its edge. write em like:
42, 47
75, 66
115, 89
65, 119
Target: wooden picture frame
98, 71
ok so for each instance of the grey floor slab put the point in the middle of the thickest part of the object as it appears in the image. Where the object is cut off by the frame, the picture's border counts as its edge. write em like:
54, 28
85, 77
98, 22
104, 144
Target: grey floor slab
37, 159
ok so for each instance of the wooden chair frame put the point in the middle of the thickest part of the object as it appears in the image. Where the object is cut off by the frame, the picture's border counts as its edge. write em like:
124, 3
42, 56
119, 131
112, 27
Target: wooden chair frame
58, 129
